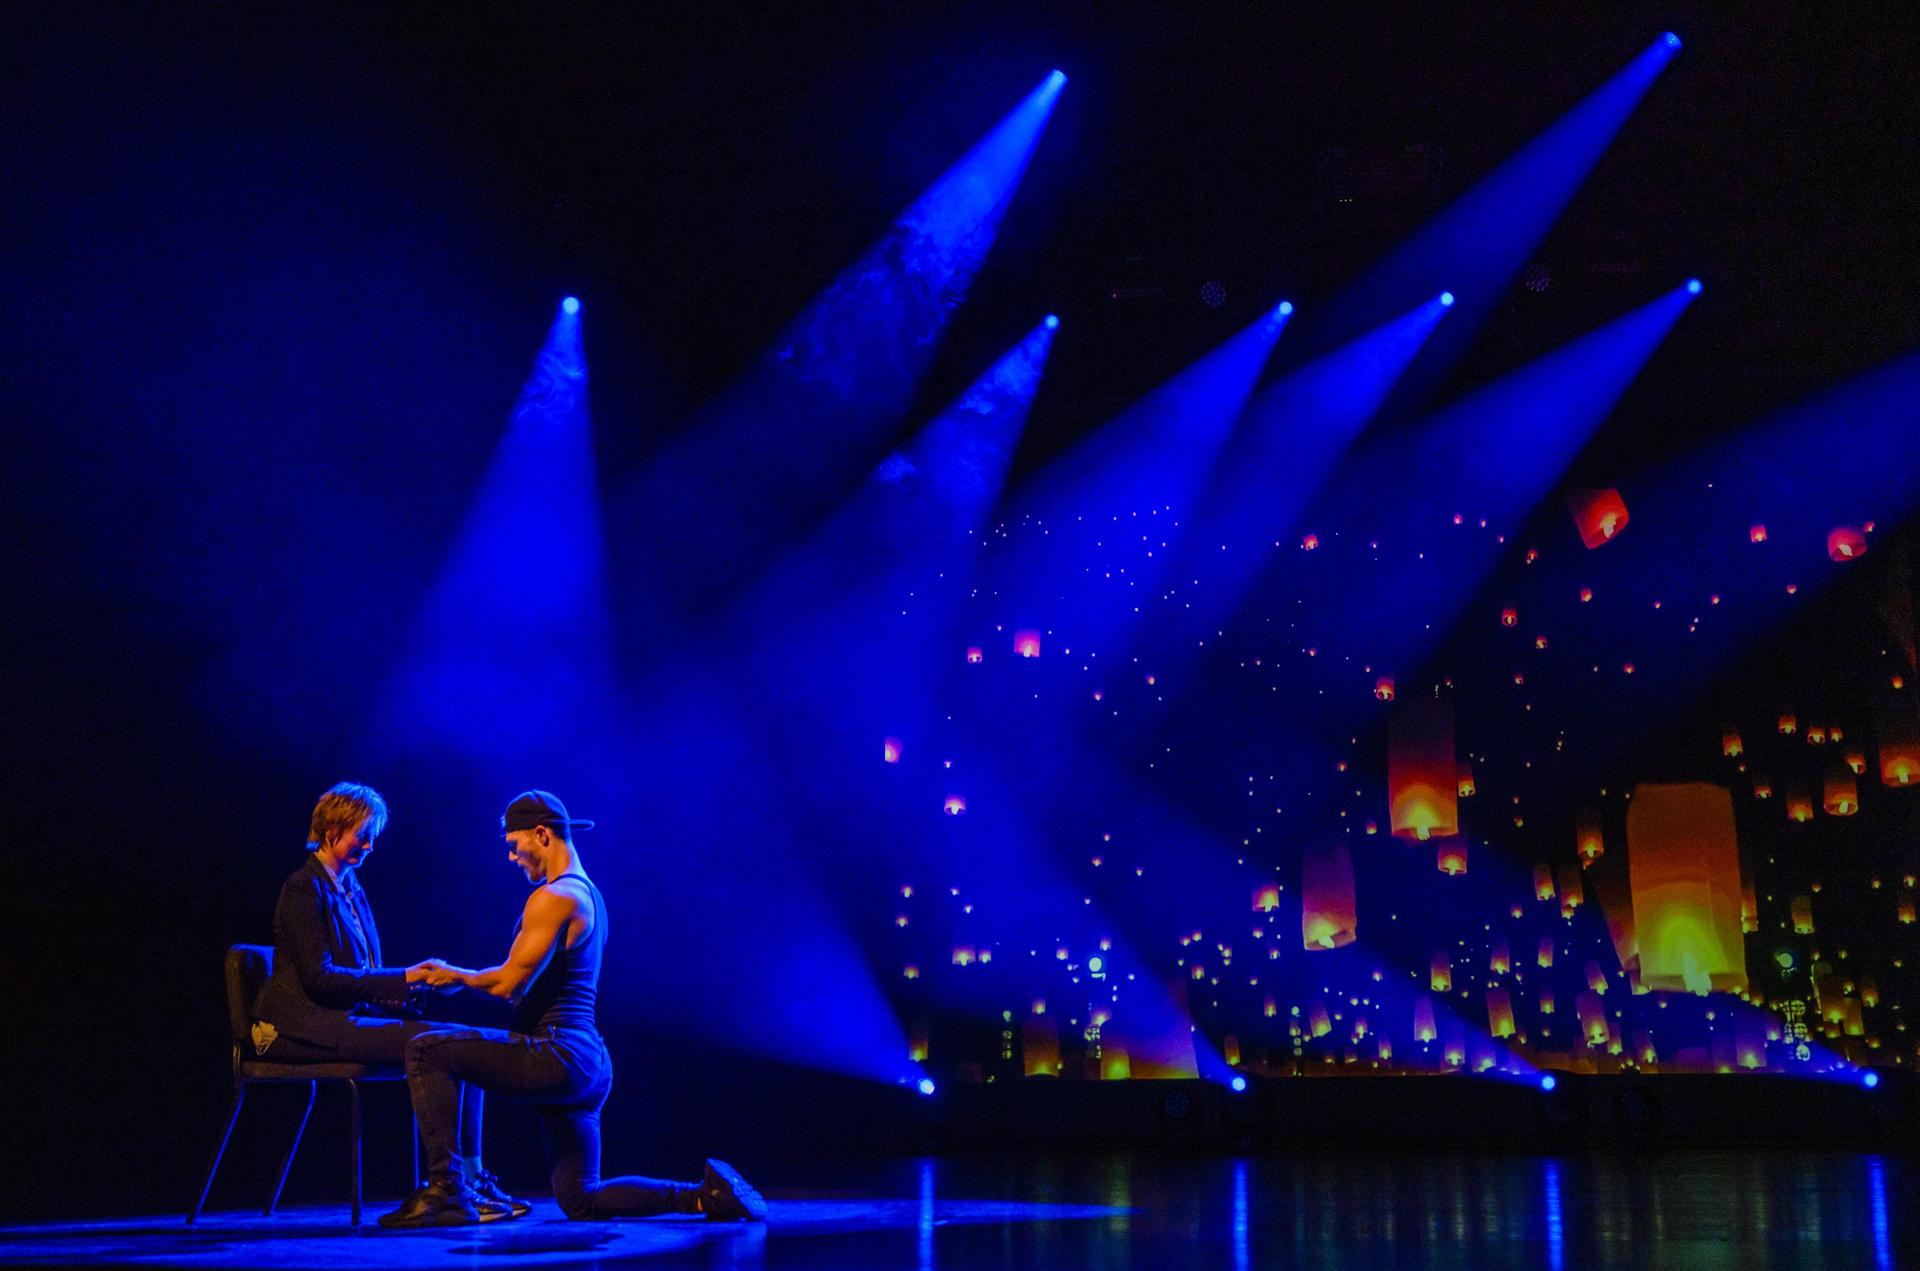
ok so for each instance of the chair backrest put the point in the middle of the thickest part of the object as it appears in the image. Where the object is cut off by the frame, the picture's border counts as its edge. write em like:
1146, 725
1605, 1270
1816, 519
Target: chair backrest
248, 966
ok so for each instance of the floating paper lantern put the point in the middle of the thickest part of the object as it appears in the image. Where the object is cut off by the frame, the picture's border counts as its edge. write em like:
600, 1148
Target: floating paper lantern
1040, 1046
1599, 515
1856, 761
1899, 747
1383, 688
1573, 892
1586, 836
975, 655
1789, 724
963, 955
1266, 898
1816, 735
1328, 917
1271, 1006
1309, 542
1423, 1030
1422, 773
1546, 1000
1596, 978
1543, 881
1546, 951
1509, 616
1027, 643
1440, 973
955, 805
1685, 867
1869, 992
1799, 803
1500, 961
1802, 914
1841, 796
1453, 1051
1499, 1013
1230, 1050
890, 750
1730, 744
1451, 856
1465, 786
1845, 543
1593, 1018
1318, 1024
1115, 1065
917, 1042
1906, 910
1762, 787
1756, 533
1853, 1024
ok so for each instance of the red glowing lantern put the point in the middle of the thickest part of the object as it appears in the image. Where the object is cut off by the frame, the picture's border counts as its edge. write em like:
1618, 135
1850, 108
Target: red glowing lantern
1856, 761
1328, 915
1599, 515
1845, 543
1422, 773
1309, 542
1789, 724
1027, 643
1383, 688
890, 750
1508, 617
1756, 533
1586, 594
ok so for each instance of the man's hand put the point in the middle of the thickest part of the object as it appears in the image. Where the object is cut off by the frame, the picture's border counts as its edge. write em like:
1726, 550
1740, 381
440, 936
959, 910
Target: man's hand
446, 978
424, 972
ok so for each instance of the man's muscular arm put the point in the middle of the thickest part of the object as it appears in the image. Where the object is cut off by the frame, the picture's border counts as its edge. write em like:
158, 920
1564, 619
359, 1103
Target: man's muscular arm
543, 925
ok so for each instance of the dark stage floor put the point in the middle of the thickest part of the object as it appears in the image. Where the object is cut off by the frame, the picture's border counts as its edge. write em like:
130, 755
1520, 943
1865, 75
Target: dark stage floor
1338, 1210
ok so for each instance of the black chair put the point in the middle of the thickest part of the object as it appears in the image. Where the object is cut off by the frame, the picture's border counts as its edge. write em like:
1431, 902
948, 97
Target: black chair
248, 966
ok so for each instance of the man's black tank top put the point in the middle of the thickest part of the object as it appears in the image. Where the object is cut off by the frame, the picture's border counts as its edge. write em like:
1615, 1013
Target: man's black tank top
563, 994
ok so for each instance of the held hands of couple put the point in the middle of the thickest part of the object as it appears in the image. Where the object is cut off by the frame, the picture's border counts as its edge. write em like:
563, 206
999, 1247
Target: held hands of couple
435, 974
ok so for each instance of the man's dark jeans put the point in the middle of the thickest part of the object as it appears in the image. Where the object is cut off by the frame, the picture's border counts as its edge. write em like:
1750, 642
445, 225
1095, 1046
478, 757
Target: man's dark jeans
566, 1073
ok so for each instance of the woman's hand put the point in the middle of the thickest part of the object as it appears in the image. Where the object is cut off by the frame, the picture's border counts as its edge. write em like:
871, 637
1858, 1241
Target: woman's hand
434, 973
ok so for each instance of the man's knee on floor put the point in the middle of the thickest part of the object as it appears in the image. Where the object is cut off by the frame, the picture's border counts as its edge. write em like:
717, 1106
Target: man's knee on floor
575, 1201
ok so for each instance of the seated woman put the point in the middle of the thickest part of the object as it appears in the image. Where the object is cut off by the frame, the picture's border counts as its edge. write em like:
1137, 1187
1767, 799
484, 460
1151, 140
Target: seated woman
329, 999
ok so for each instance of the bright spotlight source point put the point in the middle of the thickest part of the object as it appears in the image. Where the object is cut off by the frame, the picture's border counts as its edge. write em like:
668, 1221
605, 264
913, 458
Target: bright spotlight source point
1052, 322
1446, 298
570, 305
1673, 41
1870, 1079
1693, 286
1285, 307
1548, 1081
926, 1085
1240, 1083
1057, 78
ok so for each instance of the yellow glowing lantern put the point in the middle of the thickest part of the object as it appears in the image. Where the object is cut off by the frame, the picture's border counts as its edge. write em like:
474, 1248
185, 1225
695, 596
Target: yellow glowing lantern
1853, 1023
1906, 910
890, 750
1266, 898
1501, 960
1270, 1007
1869, 992
1730, 743
1114, 1063
1027, 643
1328, 916
1586, 836
910, 972
963, 955
1423, 1030
1546, 951
1593, 1018
1318, 1024
1802, 913
1499, 1013
955, 805
1422, 773
1465, 785
1542, 881
1451, 856
1454, 1050
1684, 862
1842, 793
1441, 973
1596, 978
1546, 1001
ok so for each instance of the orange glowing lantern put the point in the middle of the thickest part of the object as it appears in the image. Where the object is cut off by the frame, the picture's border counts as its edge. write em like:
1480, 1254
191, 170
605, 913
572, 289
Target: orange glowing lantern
1500, 1013
1756, 533
1802, 913
1318, 1025
1423, 1029
1543, 881
917, 1042
1546, 951
1586, 836
955, 805
1573, 891
1546, 1001
1906, 911
1816, 734
1501, 960
1266, 898
1845, 543
1328, 916
1040, 1046
1899, 748
1593, 1018
1271, 1006
1596, 978
1856, 761
1599, 515
1440, 973
1789, 724
1799, 804
1383, 688
975, 655
1451, 856
1842, 793
1465, 786
1422, 773
890, 750
1115, 1064
1027, 643
1762, 787
1749, 905
1730, 744
1686, 888
1869, 992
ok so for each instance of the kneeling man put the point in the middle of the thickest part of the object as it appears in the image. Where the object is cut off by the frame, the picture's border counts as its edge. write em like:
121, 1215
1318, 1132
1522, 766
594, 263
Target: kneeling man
553, 1058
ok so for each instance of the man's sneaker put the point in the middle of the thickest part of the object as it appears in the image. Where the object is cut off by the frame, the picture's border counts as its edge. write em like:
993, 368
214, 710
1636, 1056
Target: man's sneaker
493, 1201
434, 1205
727, 1197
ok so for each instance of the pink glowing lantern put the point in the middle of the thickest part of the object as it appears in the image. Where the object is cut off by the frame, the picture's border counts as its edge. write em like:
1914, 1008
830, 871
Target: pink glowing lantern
890, 750
956, 805
1845, 543
1027, 643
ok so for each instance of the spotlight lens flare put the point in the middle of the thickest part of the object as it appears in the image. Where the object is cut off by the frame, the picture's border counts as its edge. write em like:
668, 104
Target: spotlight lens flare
1548, 1081
1240, 1083
925, 1085
1870, 1080
1693, 286
1446, 299
570, 305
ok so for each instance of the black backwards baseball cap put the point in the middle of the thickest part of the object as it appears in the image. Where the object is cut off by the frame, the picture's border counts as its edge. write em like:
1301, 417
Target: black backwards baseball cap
537, 807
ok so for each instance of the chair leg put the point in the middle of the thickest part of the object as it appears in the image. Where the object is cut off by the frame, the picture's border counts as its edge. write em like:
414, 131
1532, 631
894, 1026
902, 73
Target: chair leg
233, 1117
416, 1145
274, 1202
353, 1133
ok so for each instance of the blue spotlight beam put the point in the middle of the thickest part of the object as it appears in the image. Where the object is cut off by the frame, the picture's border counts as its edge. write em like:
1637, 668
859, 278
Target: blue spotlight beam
483, 645
821, 408
1479, 242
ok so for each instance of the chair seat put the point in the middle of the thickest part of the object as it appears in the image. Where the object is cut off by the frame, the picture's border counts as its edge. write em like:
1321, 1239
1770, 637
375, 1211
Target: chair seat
257, 1070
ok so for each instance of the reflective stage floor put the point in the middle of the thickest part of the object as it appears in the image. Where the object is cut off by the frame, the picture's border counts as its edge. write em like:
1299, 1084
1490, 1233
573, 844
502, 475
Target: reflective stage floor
1693, 1209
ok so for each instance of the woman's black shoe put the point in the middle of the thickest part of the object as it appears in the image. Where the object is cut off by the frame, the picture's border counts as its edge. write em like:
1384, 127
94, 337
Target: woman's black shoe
435, 1205
490, 1195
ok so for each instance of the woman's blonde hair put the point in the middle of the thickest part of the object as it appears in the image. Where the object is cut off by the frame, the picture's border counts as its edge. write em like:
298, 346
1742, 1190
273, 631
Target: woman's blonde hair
341, 809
